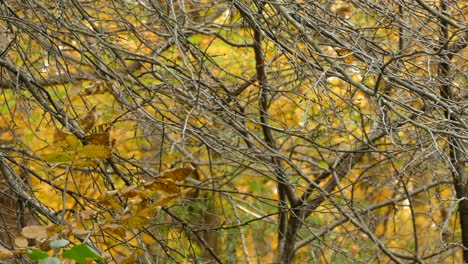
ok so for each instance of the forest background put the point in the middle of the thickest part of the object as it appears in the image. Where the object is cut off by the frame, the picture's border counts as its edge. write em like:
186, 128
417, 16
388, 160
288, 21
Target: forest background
159, 131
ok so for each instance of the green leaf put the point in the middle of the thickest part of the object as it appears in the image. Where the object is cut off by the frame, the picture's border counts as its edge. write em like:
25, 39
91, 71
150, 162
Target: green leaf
37, 254
79, 253
50, 260
324, 164
59, 243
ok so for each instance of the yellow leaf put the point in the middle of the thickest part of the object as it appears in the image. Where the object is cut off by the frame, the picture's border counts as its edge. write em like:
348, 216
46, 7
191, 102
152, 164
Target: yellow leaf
109, 199
34, 232
85, 163
95, 152
57, 157
135, 222
176, 174
66, 141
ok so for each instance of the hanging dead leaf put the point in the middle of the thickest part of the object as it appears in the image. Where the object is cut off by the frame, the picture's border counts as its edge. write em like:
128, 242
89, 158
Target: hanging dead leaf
98, 139
34, 232
115, 229
21, 241
162, 185
83, 215
77, 231
130, 191
88, 121
106, 127
59, 135
178, 174
53, 229
96, 87
165, 200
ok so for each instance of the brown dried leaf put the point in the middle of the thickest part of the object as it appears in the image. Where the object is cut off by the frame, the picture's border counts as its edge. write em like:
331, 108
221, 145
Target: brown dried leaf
115, 229
4, 252
105, 127
89, 120
130, 191
165, 200
78, 232
34, 232
21, 241
59, 135
53, 229
99, 139
178, 174
162, 185
96, 87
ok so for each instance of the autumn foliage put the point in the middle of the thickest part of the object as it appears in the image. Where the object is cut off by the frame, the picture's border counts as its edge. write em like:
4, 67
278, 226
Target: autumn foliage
203, 131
